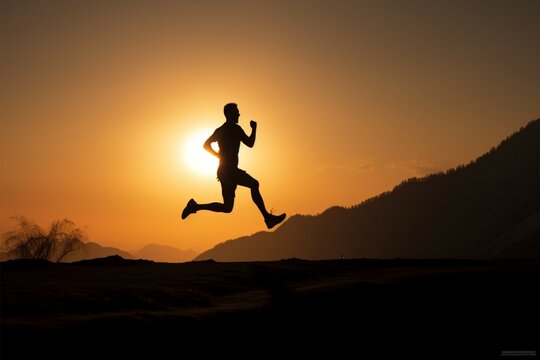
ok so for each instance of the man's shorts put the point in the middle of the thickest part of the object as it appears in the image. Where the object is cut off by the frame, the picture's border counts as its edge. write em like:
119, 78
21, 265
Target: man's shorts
231, 178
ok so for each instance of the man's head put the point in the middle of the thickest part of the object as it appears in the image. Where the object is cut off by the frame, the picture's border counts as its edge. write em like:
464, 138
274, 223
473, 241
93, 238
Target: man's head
231, 112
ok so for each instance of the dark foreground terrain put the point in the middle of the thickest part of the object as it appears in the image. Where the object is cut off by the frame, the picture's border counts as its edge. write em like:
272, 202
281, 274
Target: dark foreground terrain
339, 308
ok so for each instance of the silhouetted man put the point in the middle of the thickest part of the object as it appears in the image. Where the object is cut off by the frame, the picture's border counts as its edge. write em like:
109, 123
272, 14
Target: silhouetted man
228, 136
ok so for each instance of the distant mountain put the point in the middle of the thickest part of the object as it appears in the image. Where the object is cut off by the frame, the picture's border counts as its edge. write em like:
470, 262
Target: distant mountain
92, 250
164, 253
486, 209
155, 252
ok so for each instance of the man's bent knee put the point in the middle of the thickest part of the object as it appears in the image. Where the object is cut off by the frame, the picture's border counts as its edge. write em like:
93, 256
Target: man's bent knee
228, 206
254, 184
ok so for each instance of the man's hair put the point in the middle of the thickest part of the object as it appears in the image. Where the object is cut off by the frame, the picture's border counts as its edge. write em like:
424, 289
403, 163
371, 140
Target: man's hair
229, 109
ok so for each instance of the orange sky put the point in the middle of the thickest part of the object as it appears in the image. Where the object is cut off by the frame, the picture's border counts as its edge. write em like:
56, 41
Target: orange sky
99, 97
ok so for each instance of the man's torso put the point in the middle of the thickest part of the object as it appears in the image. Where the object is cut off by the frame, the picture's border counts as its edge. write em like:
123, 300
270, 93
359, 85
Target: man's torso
229, 137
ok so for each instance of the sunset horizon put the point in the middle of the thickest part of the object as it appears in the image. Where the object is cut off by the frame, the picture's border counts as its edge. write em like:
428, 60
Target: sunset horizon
106, 105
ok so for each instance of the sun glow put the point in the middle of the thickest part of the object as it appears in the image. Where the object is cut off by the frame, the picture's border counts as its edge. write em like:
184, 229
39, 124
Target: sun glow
197, 159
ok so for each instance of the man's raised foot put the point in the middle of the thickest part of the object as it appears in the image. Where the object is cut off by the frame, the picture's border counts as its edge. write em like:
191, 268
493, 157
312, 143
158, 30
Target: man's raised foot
273, 220
190, 208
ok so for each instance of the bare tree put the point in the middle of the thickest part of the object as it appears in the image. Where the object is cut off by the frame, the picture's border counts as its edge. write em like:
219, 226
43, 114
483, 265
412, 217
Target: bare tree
29, 241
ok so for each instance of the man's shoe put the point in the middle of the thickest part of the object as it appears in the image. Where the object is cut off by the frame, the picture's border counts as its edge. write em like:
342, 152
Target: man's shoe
273, 220
190, 208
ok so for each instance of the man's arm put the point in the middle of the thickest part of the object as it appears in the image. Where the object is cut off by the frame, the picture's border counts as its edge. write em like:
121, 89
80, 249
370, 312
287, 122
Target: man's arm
208, 145
250, 141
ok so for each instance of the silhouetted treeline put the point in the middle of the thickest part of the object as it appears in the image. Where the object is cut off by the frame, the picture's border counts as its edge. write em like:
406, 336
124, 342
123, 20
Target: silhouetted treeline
487, 208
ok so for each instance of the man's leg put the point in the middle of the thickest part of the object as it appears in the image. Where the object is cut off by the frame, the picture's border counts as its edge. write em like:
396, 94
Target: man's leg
226, 207
247, 180
244, 179
227, 189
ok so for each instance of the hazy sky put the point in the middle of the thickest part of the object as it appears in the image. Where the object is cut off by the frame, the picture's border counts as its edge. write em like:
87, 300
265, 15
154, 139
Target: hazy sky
101, 101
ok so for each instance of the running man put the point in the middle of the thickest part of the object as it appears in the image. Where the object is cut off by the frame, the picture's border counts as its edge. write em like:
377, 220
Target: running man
228, 136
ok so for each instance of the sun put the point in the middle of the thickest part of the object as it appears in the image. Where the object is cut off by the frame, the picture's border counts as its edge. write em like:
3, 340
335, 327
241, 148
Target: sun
196, 159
